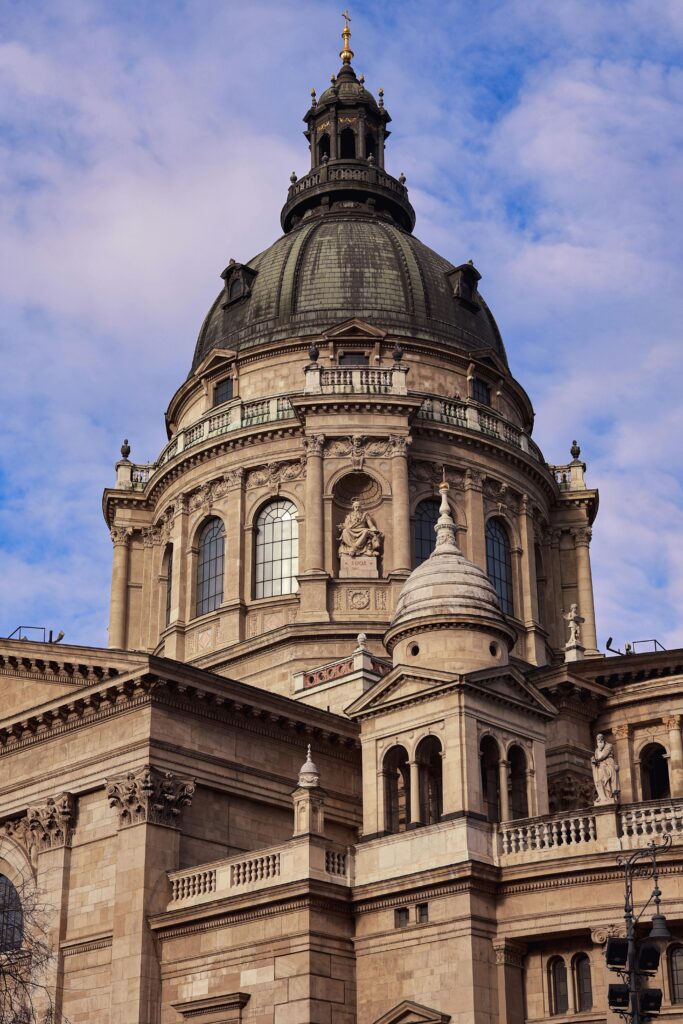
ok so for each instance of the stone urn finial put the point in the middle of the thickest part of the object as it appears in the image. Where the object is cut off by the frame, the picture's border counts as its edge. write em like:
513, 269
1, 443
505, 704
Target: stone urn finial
574, 451
125, 449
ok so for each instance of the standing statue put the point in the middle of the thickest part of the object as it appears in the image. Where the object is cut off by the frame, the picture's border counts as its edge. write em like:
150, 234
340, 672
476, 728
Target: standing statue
358, 534
574, 621
605, 772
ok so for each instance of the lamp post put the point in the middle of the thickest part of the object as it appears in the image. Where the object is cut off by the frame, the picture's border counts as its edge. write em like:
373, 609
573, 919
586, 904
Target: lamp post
633, 961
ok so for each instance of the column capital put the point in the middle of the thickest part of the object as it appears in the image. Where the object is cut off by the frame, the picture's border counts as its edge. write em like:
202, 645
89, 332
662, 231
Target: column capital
46, 826
672, 723
582, 536
509, 952
474, 480
314, 445
623, 731
120, 535
148, 794
398, 445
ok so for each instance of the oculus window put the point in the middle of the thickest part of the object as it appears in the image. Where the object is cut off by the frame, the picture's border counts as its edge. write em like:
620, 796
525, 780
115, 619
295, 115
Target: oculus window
499, 563
277, 549
210, 566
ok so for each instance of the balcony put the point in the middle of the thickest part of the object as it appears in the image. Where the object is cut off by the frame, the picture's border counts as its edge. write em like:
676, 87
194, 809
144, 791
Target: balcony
294, 861
356, 380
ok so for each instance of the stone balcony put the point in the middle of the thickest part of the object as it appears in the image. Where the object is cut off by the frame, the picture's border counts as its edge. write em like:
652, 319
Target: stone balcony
299, 859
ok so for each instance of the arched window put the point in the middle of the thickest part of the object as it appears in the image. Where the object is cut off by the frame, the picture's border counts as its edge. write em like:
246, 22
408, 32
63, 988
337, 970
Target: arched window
676, 973
489, 755
370, 145
499, 563
541, 582
277, 549
396, 772
11, 917
519, 802
428, 757
347, 144
557, 978
222, 391
582, 981
323, 147
424, 536
168, 559
654, 772
210, 566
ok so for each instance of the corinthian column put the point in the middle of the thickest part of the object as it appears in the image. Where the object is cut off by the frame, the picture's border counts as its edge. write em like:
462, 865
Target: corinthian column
584, 586
315, 560
118, 608
400, 503
474, 510
673, 726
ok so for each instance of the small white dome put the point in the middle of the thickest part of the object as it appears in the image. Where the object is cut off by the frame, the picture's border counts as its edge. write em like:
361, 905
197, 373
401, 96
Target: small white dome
309, 776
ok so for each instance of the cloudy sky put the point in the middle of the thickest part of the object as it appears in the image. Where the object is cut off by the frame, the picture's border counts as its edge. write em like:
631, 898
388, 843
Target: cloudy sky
144, 143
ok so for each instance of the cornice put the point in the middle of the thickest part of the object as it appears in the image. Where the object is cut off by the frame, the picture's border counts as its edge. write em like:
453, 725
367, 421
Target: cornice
73, 947
587, 876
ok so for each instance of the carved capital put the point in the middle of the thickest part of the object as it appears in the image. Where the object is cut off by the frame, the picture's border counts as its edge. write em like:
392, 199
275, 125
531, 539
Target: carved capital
582, 536
52, 823
235, 478
398, 445
509, 953
623, 731
120, 535
473, 480
602, 933
149, 794
672, 723
151, 535
314, 444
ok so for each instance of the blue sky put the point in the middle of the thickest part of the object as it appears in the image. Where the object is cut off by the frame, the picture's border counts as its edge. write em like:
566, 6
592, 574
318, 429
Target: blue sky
143, 144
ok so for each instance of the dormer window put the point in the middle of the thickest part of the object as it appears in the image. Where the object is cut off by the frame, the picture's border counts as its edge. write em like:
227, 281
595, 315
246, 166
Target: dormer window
222, 391
354, 359
481, 392
238, 281
464, 281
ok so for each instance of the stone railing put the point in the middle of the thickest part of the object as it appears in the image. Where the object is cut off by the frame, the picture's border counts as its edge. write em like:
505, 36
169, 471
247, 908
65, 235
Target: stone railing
470, 416
570, 477
301, 858
531, 834
651, 819
355, 380
341, 170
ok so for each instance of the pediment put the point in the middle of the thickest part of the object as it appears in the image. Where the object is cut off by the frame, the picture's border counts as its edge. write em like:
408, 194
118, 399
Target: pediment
409, 1012
507, 684
356, 329
402, 686
214, 360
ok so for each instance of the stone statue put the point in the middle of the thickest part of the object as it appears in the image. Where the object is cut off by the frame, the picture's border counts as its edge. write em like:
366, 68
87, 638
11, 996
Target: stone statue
605, 772
574, 621
358, 534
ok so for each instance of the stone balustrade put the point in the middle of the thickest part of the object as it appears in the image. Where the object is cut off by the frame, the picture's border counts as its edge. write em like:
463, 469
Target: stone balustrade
545, 834
355, 380
641, 823
570, 477
301, 858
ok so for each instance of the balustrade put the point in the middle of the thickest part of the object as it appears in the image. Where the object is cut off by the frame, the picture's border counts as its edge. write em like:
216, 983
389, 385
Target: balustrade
547, 833
652, 819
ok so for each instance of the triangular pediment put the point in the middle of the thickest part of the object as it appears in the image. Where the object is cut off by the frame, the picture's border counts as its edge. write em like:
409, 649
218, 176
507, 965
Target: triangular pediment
354, 329
215, 359
509, 685
402, 686
409, 1012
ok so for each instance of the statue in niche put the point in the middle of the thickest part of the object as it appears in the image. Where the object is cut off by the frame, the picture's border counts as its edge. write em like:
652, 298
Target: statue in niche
574, 621
359, 535
605, 772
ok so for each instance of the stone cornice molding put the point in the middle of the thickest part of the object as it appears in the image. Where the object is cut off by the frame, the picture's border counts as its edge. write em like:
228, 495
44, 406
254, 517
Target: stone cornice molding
217, 917
222, 700
149, 794
76, 946
51, 670
231, 1004
589, 876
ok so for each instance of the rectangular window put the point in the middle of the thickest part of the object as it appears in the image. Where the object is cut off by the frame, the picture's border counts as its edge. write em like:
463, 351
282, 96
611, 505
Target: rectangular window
354, 359
401, 917
481, 392
222, 391
422, 913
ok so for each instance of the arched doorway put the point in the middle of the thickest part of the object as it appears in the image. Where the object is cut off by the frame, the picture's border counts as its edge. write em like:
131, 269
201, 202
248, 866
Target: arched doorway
489, 755
654, 772
396, 771
347, 144
428, 757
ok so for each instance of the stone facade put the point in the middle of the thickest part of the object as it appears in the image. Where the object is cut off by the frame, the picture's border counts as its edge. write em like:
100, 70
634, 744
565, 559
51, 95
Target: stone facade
302, 790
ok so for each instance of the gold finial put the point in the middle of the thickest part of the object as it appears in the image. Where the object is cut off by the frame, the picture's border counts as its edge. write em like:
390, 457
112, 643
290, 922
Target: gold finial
346, 53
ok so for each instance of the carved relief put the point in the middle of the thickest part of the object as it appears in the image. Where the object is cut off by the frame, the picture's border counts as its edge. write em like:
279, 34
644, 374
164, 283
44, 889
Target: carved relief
275, 474
432, 473
381, 600
570, 792
148, 794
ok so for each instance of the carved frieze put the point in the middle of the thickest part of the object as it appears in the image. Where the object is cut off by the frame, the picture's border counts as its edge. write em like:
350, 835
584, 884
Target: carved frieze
148, 794
275, 474
433, 473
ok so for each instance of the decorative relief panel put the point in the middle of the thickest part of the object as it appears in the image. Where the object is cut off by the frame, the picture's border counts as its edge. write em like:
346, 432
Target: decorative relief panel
149, 794
275, 474
421, 471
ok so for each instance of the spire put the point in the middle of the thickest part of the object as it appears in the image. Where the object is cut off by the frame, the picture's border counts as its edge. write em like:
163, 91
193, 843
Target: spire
445, 527
346, 53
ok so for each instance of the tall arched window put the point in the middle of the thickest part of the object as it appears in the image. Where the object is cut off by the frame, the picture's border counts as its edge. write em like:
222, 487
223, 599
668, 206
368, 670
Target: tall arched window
541, 582
557, 978
168, 559
499, 563
11, 917
424, 537
489, 755
428, 757
277, 549
676, 973
323, 147
654, 772
347, 144
370, 145
210, 566
519, 802
396, 772
583, 984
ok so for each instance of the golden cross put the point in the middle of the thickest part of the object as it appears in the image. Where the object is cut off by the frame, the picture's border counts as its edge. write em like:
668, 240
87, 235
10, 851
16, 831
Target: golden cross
347, 17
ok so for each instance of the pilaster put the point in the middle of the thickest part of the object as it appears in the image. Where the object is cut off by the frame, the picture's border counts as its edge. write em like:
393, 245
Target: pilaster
400, 503
510, 975
584, 586
673, 727
474, 510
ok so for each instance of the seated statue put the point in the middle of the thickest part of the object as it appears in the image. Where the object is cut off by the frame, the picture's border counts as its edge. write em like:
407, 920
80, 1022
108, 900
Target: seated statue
358, 534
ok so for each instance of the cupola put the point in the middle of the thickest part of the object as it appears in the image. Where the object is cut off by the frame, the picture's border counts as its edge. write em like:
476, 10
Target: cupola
448, 615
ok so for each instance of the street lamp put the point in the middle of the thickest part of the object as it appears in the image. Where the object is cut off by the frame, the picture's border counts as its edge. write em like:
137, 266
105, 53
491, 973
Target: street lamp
633, 961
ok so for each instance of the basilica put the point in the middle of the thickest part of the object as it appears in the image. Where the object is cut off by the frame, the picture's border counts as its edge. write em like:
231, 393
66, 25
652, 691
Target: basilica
353, 754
